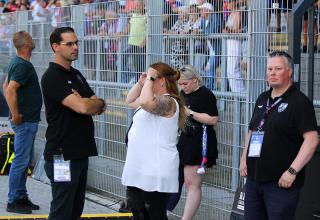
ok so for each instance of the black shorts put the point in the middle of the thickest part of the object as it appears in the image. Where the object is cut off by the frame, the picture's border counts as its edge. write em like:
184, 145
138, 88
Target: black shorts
287, 4
284, 5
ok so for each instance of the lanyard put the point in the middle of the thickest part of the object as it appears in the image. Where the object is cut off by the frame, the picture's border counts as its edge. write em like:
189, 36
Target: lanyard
201, 169
267, 111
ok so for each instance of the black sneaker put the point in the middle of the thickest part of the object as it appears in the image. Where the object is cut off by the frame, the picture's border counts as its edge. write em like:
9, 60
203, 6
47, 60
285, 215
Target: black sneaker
26, 202
18, 208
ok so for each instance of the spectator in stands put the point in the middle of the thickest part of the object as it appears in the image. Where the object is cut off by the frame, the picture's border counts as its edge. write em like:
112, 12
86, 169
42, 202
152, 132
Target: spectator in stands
2, 4
23, 7
7, 25
275, 7
70, 104
192, 28
137, 29
66, 3
194, 21
56, 11
10, 6
281, 140
197, 145
26, 3
40, 13
110, 28
278, 6
210, 24
170, 14
178, 45
234, 47
90, 45
151, 168
128, 6
91, 17
65, 12
23, 95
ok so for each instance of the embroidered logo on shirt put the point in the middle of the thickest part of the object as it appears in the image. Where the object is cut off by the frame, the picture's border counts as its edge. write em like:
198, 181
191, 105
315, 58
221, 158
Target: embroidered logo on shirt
260, 106
282, 107
69, 82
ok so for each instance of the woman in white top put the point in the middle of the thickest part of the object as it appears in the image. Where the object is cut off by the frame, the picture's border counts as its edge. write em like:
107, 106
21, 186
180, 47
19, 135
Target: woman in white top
151, 168
234, 47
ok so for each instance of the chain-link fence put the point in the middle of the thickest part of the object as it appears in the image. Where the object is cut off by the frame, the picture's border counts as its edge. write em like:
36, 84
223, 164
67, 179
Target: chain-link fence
226, 40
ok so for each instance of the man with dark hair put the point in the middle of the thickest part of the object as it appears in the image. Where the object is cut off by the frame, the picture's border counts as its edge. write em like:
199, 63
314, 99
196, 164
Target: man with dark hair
281, 140
70, 104
23, 95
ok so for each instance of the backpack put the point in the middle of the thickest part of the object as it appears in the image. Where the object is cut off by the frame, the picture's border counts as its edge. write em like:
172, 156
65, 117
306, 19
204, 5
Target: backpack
6, 153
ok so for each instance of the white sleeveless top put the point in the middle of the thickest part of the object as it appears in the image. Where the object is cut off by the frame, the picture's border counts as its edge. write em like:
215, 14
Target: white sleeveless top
152, 161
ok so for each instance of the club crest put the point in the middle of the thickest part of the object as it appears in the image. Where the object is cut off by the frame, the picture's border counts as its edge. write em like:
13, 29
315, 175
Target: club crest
282, 107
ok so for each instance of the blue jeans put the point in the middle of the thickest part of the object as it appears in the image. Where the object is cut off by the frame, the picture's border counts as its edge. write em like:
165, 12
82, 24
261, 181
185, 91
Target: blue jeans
267, 201
25, 134
207, 68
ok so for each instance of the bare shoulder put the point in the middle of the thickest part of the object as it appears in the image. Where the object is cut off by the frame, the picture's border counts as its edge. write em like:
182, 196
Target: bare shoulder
164, 106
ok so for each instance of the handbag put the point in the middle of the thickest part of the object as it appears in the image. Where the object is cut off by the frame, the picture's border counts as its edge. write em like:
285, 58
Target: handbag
6, 153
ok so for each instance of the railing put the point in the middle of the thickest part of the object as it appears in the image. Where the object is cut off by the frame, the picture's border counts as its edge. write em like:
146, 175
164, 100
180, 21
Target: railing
109, 72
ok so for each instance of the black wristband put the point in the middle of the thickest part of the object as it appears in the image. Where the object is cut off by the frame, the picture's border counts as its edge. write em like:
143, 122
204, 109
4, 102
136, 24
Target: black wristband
292, 171
103, 102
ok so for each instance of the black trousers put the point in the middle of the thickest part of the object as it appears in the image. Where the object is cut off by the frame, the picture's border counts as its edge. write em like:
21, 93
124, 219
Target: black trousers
68, 197
147, 205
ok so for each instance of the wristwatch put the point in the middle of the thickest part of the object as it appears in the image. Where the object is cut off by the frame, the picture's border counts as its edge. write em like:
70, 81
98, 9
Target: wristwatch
292, 171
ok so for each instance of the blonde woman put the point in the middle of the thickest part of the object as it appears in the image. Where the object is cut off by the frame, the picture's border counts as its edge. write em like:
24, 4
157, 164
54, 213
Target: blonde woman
197, 145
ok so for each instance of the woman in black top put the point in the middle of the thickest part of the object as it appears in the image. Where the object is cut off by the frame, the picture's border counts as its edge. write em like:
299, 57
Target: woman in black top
201, 109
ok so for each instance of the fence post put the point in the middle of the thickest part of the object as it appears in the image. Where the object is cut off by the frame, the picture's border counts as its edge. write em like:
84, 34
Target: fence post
310, 74
236, 143
294, 35
154, 42
259, 46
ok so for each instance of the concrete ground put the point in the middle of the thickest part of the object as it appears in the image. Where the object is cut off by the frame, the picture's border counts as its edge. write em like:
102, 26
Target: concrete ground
40, 194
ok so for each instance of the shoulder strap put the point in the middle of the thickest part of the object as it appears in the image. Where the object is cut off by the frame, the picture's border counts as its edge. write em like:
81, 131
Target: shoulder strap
126, 138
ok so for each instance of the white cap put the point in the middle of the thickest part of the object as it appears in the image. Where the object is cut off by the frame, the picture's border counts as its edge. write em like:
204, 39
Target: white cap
122, 2
206, 6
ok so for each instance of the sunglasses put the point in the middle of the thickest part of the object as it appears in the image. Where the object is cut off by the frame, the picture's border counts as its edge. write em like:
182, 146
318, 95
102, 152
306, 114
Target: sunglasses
70, 44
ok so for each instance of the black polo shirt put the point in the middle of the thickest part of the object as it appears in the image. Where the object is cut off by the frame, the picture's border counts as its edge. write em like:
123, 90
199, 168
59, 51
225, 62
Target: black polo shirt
67, 130
283, 134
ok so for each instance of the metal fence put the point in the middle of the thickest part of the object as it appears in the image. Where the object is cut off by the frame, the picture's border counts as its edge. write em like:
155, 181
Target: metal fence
119, 39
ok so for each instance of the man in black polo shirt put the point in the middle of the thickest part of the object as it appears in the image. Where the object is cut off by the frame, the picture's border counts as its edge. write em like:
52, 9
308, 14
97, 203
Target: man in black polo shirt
70, 104
281, 140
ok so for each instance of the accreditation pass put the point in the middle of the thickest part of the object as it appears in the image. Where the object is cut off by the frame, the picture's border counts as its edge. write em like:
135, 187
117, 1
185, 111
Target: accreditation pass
61, 169
255, 144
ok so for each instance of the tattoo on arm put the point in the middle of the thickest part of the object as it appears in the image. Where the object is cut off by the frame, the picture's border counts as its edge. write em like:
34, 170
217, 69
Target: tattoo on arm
165, 105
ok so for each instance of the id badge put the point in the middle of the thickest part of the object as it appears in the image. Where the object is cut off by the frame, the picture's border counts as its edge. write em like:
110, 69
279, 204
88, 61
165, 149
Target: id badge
255, 144
61, 169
